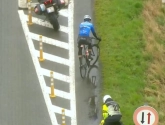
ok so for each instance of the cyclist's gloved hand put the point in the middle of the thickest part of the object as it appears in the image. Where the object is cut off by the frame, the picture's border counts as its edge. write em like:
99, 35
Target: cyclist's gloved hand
99, 38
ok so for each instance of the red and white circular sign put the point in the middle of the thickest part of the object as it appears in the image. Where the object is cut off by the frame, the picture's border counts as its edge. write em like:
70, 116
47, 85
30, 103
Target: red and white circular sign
145, 115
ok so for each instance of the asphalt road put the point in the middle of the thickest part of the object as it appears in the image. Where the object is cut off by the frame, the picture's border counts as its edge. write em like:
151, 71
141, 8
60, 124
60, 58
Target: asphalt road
84, 90
54, 65
21, 99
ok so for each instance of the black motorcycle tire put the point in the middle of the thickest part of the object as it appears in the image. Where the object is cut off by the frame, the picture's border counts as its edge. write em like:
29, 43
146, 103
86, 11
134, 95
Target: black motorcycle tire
53, 20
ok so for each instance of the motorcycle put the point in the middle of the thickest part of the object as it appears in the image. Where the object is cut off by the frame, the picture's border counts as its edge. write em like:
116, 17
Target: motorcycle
50, 9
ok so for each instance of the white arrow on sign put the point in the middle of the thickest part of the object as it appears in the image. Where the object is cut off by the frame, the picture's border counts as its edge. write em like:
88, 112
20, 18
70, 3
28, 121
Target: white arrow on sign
145, 115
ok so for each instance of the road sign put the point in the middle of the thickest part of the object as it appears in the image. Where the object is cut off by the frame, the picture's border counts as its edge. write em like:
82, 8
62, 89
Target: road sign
145, 115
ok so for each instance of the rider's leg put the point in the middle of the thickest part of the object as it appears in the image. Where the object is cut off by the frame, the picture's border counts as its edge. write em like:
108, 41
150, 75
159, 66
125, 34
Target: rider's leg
79, 50
89, 46
90, 50
80, 54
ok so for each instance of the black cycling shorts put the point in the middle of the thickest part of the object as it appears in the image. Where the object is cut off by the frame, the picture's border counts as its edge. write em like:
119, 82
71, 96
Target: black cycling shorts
113, 120
84, 40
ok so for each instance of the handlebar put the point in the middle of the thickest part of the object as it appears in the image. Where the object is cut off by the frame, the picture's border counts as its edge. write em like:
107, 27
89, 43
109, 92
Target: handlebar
94, 38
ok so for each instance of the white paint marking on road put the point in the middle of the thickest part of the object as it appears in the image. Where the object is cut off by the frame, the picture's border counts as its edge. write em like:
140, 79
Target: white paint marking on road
37, 67
72, 60
58, 110
63, 12
56, 75
60, 93
53, 58
45, 23
50, 41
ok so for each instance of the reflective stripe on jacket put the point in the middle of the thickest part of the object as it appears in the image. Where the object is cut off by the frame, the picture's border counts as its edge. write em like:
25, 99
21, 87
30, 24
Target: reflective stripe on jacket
105, 111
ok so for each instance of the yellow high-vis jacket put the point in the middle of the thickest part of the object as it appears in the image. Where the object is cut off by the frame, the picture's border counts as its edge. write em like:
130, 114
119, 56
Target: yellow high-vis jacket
110, 110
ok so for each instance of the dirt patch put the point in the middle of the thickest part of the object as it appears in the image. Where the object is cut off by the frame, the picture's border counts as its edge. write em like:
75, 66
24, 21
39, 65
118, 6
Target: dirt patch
154, 16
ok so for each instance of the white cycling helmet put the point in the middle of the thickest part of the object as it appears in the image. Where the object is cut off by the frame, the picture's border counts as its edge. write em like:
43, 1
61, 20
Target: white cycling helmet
106, 97
87, 18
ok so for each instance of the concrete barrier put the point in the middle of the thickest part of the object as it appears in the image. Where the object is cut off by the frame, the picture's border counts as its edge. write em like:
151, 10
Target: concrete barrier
23, 4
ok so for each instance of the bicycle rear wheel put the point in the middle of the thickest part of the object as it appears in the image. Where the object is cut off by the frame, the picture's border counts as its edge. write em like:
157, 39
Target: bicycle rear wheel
83, 67
95, 53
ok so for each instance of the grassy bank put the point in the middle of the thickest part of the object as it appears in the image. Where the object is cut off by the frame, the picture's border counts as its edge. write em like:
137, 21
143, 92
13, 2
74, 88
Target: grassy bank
132, 53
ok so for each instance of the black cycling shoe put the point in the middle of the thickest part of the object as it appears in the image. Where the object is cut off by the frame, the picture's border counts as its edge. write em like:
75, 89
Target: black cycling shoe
90, 58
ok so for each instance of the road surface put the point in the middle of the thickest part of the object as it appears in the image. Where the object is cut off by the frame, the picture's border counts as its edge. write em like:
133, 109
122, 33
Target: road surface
21, 99
20, 90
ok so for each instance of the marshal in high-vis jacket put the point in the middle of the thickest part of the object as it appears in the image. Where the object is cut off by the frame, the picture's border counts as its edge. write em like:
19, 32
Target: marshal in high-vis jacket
111, 112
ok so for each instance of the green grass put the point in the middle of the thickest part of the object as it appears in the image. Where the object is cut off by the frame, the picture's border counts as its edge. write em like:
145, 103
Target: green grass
120, 25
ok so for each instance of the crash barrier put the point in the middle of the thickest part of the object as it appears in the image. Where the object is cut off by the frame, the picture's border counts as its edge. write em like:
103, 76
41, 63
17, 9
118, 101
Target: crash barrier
63, 117
52, 95
29, 13
41, 49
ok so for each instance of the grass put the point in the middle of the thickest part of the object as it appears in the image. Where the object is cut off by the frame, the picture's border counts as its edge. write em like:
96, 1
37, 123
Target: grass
132, 53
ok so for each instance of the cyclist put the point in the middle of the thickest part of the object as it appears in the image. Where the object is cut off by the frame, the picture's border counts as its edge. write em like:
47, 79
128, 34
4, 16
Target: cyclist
111, 112
83, 37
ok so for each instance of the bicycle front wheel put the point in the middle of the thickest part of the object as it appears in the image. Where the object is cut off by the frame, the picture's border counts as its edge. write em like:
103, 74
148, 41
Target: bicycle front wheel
95, 53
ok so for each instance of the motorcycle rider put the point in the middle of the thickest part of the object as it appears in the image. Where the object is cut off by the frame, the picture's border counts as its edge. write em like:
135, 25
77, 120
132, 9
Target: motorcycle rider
58, 6
83, 37
110, 111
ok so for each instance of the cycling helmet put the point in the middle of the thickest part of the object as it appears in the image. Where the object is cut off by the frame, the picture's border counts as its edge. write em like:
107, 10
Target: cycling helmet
87, 18
106, 97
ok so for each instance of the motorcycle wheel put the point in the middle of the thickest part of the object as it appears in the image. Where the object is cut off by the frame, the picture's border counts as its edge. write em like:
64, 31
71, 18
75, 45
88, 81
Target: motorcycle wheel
54, 22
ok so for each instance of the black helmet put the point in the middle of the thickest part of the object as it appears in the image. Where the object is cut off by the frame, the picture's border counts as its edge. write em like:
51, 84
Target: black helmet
87, 18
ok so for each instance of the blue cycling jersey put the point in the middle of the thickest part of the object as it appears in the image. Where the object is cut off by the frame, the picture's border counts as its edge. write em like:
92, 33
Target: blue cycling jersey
85, 28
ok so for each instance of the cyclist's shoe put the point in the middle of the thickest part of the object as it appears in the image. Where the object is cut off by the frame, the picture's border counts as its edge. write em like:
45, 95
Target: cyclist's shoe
90, 58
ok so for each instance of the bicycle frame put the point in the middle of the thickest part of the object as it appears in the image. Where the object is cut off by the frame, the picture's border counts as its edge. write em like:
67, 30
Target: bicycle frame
86, 54
92, 51
87, 63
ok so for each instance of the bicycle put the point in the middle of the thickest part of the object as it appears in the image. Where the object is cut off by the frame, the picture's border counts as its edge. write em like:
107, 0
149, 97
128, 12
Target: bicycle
86, 63
93, 106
